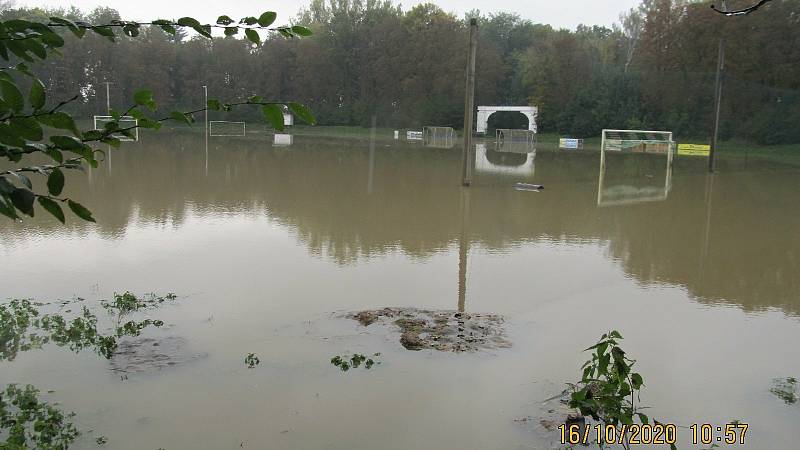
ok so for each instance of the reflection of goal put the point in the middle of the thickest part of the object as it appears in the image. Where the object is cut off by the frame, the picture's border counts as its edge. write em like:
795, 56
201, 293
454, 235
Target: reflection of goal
439, 136
123, 122
634, 167
225, 128
509, 136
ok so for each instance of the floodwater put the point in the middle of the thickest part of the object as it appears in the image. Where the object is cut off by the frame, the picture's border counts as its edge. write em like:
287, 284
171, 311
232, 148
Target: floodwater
268, 246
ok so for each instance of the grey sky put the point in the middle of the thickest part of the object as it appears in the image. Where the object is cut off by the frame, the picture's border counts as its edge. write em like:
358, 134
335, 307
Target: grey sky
559, 13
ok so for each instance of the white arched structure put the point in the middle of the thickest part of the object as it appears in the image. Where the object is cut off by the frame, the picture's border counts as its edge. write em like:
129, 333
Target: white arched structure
485, 111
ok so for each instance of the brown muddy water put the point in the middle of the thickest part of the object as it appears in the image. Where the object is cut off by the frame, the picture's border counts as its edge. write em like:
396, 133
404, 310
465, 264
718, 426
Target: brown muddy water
270, 248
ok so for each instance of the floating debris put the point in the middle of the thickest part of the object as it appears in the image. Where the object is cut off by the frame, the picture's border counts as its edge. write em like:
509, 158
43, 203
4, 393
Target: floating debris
148, 354
785, 389
443, 330
528, 187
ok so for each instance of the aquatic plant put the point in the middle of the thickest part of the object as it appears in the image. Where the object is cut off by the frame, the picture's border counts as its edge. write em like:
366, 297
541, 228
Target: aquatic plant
26, 421
609, 389
23, 327
344, 363
251, 360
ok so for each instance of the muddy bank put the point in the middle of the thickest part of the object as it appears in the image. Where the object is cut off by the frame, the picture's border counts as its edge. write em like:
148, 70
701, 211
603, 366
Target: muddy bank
443, 330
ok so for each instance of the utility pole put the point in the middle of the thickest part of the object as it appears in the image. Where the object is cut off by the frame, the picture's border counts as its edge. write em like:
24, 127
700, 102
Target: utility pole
108, 98
469, 104
205, 96
717, 96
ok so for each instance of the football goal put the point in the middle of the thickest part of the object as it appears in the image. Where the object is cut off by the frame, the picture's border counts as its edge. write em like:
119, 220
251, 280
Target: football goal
132, 135
508, 136
225, 128
442, 137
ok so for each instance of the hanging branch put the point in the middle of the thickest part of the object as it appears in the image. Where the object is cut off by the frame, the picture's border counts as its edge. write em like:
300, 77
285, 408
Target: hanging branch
740, 12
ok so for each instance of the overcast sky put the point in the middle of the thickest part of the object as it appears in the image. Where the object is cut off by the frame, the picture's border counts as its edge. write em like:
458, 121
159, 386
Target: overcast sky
559, 13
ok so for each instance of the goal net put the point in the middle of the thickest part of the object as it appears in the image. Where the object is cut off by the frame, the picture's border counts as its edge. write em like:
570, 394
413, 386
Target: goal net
632, 169
637, 141
225, 128
130, 135
443, 137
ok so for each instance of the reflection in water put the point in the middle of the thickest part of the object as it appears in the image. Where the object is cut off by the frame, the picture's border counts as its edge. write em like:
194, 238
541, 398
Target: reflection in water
632, 184
273, 243
510, 159
283, 140
318, 191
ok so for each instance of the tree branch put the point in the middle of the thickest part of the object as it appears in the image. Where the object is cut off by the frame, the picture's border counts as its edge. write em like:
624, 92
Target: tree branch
741, 12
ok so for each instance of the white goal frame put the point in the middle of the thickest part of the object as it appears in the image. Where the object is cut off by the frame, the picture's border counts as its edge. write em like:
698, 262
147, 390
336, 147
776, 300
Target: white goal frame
444, 137
211, 132
509, 136
119, 136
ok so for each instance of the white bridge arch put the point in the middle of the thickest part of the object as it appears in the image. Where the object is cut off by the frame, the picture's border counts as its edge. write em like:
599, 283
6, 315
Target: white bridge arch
484, 112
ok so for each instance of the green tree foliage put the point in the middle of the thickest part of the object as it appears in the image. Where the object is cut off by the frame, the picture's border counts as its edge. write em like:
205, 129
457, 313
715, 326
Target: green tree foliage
32, 124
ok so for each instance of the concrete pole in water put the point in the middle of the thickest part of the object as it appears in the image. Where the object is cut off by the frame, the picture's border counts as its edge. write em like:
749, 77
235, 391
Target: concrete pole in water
469, 104
205, 96
717, 97
108, 98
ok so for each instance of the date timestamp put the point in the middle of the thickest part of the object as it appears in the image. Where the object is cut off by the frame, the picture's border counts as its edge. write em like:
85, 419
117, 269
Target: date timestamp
651, 434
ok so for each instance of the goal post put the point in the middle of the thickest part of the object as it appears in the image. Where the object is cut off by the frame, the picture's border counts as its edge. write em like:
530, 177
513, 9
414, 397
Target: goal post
439, 136
505, 136
124, 122
221, 128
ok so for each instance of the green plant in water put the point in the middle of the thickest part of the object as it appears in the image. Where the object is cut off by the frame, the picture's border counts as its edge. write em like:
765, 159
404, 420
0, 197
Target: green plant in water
23, 327
101, 440
28, 422
785, 389
344, 363
609, 389
251, 360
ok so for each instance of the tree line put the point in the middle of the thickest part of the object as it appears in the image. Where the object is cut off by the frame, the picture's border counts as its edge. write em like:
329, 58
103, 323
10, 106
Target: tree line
654, 69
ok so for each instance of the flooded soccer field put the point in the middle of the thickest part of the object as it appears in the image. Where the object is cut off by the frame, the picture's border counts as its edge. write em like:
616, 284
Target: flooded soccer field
273, 250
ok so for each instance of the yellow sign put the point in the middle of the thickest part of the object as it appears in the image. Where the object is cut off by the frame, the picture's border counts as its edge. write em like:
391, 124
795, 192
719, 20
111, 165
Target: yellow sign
694, 149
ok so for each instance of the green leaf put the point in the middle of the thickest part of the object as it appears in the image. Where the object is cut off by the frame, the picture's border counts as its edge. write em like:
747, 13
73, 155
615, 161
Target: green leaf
267, 19
231, 31
253, 36
37, 96
145, 98
249, 21
60, 120
6, 187
188, 22
131, 30
165, 25
11, 95
26, 127
302, 112
53, 208
301, 31
55, 182
105, 31
180, 117
9, 137
80, 211
224, 20
274, 115
20, 50
67, 142
636, 380
23, 179
23, 200
36, 48
77, 31
214, 105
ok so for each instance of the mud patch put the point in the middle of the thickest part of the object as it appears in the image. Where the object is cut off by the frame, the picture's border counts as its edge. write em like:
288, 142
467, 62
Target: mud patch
443, 330
151, 354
